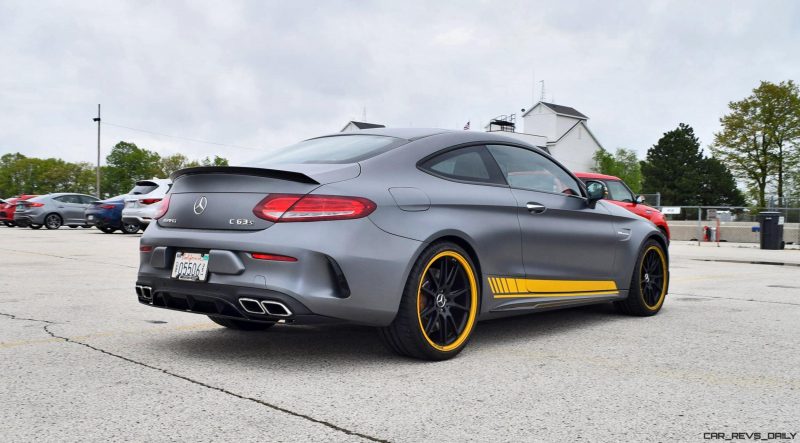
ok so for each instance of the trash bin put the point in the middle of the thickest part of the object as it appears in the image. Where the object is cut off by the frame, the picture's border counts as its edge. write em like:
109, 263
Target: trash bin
771, 226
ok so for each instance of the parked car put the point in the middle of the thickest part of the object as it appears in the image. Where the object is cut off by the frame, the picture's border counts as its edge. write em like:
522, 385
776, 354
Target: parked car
142, 203
106, 215
53, 210
621, 195
9, 206
418, 232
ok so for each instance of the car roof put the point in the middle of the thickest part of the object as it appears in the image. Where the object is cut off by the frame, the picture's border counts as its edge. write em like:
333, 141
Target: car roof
596, 175
402, 133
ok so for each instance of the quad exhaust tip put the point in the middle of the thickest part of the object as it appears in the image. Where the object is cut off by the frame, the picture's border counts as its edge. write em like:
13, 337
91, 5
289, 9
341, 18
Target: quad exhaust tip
252, 306
144, 292
269, 307
276, 308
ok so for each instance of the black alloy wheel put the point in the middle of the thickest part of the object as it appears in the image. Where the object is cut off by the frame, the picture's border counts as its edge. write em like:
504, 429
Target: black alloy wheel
130, 228
52, 221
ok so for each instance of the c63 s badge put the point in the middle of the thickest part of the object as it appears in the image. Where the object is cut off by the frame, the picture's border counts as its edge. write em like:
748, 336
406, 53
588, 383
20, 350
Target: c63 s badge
241, 221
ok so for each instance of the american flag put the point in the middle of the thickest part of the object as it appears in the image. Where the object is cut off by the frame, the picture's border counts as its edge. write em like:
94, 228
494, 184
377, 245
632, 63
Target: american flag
466, 127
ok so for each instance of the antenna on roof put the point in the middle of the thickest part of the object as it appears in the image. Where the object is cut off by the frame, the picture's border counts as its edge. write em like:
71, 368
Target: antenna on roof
541, 97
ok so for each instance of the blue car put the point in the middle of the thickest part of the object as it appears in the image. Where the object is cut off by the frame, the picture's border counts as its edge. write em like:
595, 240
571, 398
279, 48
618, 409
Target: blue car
106, 215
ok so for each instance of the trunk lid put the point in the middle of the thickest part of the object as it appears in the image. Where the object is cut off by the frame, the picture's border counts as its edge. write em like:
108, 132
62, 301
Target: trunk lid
223, 198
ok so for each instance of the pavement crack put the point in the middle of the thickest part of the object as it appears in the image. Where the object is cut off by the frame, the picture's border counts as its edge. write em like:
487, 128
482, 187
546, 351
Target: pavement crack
208, 386
16, 317
737, 299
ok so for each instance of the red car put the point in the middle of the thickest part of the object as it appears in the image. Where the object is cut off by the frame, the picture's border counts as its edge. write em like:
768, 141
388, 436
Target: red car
7, 208
620, 194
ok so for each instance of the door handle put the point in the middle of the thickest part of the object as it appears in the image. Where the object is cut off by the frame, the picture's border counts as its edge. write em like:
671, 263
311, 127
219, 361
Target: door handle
535, 208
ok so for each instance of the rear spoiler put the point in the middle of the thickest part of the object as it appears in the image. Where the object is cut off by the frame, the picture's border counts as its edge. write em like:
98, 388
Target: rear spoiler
241, 170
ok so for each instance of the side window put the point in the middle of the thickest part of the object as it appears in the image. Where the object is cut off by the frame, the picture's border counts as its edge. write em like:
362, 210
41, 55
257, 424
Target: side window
527, 169
618, 191
85, 199
469, 164
67, 199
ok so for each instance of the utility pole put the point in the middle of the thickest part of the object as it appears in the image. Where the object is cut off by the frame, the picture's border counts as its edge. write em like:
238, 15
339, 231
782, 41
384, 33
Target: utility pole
97, 119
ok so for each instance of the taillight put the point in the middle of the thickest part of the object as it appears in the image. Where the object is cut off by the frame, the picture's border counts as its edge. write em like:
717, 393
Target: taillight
162, 208
281, 208
271, 257
145, 248
34, 204
149, 201
107, 206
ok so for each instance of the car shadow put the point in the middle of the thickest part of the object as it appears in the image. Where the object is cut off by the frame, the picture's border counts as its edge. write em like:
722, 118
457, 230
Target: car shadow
331, 344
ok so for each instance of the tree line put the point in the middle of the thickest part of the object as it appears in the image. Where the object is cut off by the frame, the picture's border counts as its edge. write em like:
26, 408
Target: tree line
757, 147
125, 164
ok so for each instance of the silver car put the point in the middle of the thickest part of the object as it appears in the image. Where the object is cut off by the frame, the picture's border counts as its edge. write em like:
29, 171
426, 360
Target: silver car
419, 232
144, 200
53, 210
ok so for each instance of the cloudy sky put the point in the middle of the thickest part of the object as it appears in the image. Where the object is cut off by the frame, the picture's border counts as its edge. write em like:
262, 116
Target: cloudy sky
264, 74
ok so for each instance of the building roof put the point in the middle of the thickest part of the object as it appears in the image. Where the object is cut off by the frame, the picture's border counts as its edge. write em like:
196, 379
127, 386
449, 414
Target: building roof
364, 125
572, 128
559, 109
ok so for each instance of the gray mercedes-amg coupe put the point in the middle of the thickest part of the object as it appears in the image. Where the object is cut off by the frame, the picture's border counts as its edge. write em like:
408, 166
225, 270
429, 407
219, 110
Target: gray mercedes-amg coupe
420, 232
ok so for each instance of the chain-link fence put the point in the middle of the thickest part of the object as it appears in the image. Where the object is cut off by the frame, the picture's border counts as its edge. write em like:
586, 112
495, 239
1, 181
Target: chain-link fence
727, 223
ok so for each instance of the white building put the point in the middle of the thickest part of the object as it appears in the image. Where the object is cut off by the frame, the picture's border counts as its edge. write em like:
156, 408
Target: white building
559, 129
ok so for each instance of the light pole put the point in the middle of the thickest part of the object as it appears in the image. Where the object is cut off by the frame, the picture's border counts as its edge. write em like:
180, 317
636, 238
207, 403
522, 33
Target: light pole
97, 119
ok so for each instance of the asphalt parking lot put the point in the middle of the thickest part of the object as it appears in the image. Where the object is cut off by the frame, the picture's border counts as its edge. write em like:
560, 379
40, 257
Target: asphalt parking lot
81, 360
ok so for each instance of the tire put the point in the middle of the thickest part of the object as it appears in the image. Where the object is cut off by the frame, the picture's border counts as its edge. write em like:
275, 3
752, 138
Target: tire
107, 230
35, 226
10, 224
73, 226
130, 228
649, 283
428, 298
241, 325
53, 221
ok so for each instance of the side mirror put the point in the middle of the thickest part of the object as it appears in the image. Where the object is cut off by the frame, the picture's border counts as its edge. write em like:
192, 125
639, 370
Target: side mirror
596, 191
640, 199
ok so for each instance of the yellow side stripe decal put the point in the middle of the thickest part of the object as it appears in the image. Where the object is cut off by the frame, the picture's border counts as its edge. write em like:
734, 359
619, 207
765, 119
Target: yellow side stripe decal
505, 287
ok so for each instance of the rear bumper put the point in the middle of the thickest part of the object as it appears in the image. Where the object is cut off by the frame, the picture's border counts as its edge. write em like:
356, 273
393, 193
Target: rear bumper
346, 270
25, 219
143, 221
101, 220
222, 301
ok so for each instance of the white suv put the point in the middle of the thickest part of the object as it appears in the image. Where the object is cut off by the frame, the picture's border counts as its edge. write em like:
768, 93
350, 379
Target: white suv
144, 199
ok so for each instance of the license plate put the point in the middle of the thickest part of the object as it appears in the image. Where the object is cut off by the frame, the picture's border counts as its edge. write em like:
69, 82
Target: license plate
190, 266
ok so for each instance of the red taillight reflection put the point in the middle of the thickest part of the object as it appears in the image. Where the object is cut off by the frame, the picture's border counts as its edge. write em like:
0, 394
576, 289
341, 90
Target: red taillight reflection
301, 208
149, 201
162, 208
272, 257
145, 248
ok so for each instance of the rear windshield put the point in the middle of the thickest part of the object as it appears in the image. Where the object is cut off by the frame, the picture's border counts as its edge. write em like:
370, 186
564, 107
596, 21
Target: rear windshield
336, 149
143, 188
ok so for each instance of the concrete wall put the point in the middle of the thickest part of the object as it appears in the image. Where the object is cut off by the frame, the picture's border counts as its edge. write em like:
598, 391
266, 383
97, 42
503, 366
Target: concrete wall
737, 232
